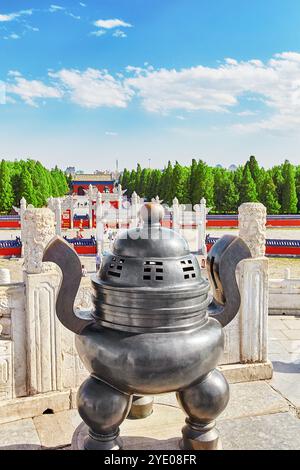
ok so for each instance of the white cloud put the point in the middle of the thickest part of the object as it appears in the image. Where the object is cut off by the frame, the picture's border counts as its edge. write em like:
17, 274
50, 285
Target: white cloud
14, 73
246, 113
3, 98
82, 4
275, 84
110, 133
99, 33
14, 36
30, 91
76, 17
109, 24
119, 34
55, 8
272, 87
93, 88
31, 28
13, 16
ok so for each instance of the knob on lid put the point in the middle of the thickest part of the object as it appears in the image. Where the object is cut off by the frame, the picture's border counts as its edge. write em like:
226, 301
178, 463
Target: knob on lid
152, 240
152, 213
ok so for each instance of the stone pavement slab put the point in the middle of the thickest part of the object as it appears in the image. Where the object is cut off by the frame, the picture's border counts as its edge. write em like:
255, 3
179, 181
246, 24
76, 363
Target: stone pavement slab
253, 399
56, 430
19, 435
292, 346
246, 399
162, 430
286, 380
277, 323
270, 432
290, 334
277, 334
292, 323
275, 347
275, 431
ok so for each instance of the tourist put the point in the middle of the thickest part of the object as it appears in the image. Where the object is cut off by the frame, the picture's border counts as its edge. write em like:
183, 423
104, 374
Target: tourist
98, 261
84, 270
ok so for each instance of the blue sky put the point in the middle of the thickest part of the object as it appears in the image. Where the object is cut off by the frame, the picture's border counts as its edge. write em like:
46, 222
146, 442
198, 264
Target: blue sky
90, 82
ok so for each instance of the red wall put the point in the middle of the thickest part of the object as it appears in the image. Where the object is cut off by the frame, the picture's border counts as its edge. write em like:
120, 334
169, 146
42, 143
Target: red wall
10, 223
85, 185
11, 251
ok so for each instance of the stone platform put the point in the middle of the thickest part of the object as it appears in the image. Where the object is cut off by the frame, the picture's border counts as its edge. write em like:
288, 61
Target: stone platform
257, 417
260, 414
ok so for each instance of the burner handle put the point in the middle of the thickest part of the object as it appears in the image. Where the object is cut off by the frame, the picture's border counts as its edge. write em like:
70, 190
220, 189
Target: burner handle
59, 251
222, 261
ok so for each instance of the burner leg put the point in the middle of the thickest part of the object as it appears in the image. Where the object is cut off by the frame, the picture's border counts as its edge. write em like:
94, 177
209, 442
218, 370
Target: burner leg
103, 409
141, 407
203, 402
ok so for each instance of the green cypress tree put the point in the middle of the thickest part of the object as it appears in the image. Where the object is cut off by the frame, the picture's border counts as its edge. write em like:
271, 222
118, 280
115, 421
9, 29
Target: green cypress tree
289, 195
178, 182
53, 185
166, 182
6, 189
269, 196
254, 168
143, 185
124, 179
278, 179
237, 178
226, 196
131, 183
204, 184
137, 183
154, 184
219, 174
185, 197
193, 182
297, 180
26, 187
248, 191
40, 184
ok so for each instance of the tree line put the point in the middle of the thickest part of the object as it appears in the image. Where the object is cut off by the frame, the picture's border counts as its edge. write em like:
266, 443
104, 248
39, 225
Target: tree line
278, 188
31, 180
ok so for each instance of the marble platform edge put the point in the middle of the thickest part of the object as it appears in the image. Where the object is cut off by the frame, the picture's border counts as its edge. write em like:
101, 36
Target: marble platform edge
35, 405
236, 373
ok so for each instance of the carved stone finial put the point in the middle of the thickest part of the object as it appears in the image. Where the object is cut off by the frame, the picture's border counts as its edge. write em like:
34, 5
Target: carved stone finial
38, 229
252, 227
175, 201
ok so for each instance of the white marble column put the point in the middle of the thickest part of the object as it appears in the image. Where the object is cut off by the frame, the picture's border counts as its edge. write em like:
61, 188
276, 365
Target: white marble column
20, 211
90, 194
246, 336
176, 215
38, 229
201, 220
134, 210
71, 213
99, 224
254, 282
41, 284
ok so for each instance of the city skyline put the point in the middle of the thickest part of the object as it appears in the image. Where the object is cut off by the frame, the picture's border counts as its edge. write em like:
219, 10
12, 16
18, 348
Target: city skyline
87, 83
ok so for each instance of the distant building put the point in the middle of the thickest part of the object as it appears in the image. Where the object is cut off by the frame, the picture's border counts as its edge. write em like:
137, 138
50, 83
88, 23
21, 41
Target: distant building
232, 168
103, 181
71, 170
